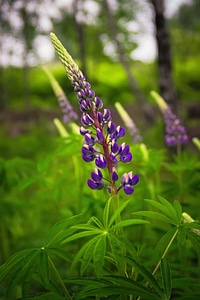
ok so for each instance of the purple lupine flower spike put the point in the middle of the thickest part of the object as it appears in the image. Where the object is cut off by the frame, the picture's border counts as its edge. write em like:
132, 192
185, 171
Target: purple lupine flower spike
99, 131
69, 115
175, 132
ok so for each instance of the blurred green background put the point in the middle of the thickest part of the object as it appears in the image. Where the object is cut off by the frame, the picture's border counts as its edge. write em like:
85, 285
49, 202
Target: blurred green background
42, 177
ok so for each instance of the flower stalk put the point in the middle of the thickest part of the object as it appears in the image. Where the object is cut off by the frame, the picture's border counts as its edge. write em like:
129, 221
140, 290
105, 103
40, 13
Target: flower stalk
101, 135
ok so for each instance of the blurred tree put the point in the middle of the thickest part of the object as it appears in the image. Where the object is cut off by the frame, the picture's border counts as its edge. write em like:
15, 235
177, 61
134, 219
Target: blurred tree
20, 25
167, 89
185, 35
121, 42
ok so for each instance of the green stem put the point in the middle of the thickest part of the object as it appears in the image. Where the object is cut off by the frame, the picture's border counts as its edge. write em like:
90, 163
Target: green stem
66, 293
164, 254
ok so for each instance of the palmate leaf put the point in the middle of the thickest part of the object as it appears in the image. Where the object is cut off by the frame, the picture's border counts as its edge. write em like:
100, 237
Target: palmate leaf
15, 262
44, 267
154, 215
178, 210
106, 213
47, 296
195, 240
163, 243
82, 234
146, 274
88, 254
58, 232
117, 249
166, 277
194, 225
17, 267
99, 255
115, 285
85, 254
117, 212
129, 223
129, 247
167, 209
59, 253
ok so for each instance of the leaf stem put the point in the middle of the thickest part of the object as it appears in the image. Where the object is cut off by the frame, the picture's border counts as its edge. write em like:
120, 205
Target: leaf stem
164, 254
66, 293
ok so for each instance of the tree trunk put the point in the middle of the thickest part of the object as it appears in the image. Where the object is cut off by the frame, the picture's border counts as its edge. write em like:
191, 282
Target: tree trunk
166, 84
124, 60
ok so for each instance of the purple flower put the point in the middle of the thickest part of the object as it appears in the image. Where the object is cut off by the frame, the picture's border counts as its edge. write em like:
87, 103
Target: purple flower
98, 130
127, 182
176, 133
69, 115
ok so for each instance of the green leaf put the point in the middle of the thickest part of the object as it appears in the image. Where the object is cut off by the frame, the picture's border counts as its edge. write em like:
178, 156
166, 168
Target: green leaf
98, 223
146, 274
88, 254
178, 210
81, 235
20, 268
14, 262
181, 236
44, 267
117, 250
99, 255
166, 277
116, 286
163, 244
129, 247
117, 212
47, 296
195, 225
166, 208
169, 209
55, 234
195, 240
129, 223
106, 213
59, 253
13, 282
154, 215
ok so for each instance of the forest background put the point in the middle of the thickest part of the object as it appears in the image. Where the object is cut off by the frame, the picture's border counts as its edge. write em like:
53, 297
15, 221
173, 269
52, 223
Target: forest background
102, 36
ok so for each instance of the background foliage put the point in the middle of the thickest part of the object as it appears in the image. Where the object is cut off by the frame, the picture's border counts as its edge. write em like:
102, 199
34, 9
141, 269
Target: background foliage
42, 176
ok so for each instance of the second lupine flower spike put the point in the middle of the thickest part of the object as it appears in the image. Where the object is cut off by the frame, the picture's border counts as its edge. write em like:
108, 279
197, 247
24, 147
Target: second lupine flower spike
175, 132
100, 133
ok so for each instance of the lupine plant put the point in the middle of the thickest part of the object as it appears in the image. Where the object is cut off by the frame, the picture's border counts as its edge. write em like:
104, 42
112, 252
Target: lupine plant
100, 258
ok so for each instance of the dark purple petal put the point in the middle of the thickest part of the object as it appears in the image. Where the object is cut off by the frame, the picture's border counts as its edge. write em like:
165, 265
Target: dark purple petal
87, 120
126, 158
100, 117
135, 179
128, 189
111, 127
87, 149
98, 103
114, 147
83, 130
89, 139
113, 158
106, 115
124, 150
99, 136
114, 176
88, 158
93, 185
120, 132
96, 175
101, 162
